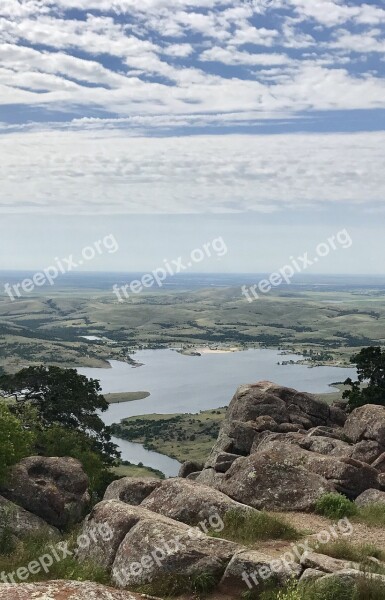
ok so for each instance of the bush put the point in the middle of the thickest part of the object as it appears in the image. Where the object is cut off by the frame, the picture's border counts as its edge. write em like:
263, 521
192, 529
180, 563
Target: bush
335, 506
15, 441
246, 527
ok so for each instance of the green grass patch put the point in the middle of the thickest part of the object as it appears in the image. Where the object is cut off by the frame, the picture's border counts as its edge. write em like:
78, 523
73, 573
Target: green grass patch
372, 515
247, 527
169, 586
344, 550
364, 588
34, 546
335, 506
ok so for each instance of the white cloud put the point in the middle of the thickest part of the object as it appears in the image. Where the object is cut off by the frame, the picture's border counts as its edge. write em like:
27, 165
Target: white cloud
106, 172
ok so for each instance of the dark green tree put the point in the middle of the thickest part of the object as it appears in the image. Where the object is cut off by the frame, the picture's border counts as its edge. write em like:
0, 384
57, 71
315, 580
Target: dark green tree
370, 386
62, 397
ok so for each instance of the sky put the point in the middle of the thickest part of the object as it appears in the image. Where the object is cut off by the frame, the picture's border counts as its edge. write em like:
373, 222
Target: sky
168, 123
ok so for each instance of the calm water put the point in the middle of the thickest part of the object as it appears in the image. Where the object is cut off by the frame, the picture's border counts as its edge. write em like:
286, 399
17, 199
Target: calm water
181, 384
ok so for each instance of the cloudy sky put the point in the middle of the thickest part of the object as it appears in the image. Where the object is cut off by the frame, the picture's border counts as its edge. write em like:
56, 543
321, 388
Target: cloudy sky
170, 122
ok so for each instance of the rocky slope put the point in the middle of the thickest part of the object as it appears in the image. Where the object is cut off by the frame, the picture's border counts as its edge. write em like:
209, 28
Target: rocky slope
278, 450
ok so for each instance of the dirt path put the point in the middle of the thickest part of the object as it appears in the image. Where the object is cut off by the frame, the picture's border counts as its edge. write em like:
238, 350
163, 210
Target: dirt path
311, 525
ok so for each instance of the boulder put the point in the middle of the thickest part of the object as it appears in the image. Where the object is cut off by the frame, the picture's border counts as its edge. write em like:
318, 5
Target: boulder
346, 475
189, 467
310, 575
366, 423
327, 564
251, 569
64, 590
145, 546
132, 490
191, 502
19, 522
116, 517
284, 405
156, 547
348, 577
367, 451
54, 488
370, 497
270, 480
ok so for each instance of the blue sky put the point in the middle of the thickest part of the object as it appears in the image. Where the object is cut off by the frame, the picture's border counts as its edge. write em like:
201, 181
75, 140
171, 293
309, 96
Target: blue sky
267, 112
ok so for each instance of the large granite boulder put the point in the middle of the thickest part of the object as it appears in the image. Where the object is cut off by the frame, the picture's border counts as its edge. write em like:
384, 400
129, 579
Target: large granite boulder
146, 546
155, 548
64, 590
347, 476
271, 480
20, 523
190, 502
367, 423
132, 490
250, 569
370, 496
55, 489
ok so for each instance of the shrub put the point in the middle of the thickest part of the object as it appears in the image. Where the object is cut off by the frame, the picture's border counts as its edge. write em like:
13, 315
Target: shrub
15, 441
335, 506
247, 526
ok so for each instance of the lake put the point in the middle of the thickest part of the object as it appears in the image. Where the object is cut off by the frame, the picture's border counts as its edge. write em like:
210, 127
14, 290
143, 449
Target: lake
188, 384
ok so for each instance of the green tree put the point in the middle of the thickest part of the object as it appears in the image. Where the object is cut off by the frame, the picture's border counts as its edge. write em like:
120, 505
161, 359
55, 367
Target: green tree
370, 386
15, 441
63, 397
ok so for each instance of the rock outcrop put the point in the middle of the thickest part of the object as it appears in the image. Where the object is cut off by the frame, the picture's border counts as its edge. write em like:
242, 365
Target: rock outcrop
55, 489
64, 590
276, 443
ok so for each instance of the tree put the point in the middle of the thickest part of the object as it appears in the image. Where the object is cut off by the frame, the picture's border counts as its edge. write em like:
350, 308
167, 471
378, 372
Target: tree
63, 398
15, 441
370, 386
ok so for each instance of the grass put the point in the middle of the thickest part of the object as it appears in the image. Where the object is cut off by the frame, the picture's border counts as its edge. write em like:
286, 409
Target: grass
125, 397
32, 547
372, 515
169, 586
128, 470
335, 506
248, 527
344, 550
364, 588
180, 436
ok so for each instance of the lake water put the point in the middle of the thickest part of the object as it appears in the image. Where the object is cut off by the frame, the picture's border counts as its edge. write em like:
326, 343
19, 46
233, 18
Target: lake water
188, 384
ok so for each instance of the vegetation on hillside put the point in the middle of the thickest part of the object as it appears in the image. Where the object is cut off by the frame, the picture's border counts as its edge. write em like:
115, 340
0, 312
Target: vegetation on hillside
53, 412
